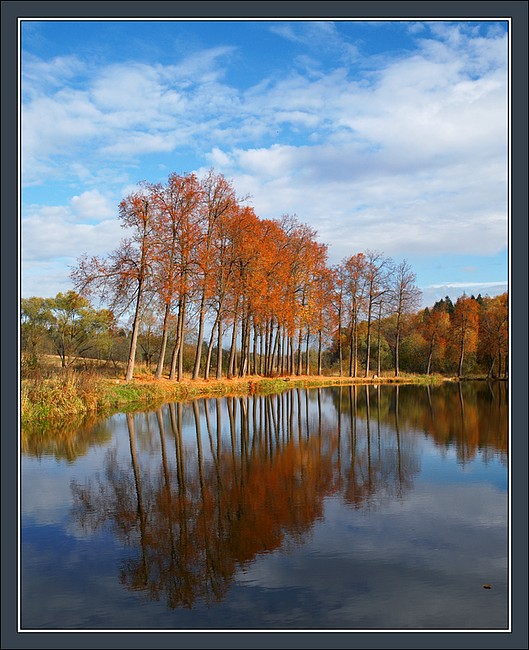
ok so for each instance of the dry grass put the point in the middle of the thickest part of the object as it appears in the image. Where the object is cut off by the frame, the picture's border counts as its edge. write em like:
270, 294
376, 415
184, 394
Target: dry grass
67, 394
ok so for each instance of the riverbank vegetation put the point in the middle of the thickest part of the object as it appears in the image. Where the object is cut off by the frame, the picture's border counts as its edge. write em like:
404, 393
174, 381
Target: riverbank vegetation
203, 288
62, 396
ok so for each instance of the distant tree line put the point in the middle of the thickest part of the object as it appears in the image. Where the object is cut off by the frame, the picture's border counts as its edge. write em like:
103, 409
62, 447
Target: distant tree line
209, 287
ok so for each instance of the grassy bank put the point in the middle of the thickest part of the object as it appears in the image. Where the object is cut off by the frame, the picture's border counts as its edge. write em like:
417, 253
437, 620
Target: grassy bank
71, 395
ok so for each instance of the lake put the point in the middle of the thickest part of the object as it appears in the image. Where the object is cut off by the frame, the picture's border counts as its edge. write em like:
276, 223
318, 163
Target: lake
341, 508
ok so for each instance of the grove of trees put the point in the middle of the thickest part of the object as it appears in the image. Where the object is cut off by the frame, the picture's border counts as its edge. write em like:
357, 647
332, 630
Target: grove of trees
201, 285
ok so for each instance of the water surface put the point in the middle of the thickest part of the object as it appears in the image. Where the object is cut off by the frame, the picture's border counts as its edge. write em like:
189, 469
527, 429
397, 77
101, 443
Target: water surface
339, 508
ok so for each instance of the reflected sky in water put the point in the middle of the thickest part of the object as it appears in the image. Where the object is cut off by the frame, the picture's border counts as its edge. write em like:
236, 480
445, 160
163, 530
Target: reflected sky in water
338, 508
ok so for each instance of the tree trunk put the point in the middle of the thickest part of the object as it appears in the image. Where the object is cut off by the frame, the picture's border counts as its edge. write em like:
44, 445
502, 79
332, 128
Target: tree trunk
319, 351
181, 335
274, 351
429, 364
397, 363
307, 352
254, 360
163, 346
368, 341
461, 356
134, 338
219, 349
351, 353
176, 349
198, 353
300, 339
233, 352
210, 349
340, 353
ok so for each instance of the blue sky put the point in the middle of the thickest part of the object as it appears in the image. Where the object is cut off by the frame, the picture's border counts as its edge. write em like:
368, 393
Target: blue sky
388, 136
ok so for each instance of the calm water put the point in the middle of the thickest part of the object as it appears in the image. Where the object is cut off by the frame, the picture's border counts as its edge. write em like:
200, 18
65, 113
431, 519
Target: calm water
337, 508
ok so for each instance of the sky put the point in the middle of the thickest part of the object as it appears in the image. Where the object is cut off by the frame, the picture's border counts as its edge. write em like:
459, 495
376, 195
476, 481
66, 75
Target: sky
387, 136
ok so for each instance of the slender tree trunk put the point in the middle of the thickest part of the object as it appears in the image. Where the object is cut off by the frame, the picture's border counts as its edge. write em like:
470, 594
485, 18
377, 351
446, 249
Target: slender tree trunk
429, 364
378, 355
270, 347
178, 342
210, 349
280, 350
181, 336
231, 360
198, 353
307, 358
163, 346
255, 335
351, 352
491, 368
245, 349
244, 339
368, 341
319, 351
134, 338
174, 358
300, 339
284, 351
248, 337
274, 351
461, 356
261, 350
219, 349
397, 346
355, 337
340, 352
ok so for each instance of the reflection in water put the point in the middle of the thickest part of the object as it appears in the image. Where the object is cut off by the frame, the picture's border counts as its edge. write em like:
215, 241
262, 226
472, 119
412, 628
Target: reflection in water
237, 477
65, 442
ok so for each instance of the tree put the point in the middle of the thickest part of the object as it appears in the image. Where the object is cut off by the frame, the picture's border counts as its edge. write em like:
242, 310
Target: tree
464, 324
218, 199
404, 298
494, 332
376, 276
72, 322
35, 316
176, 235
434, 325
355, 290
124, 279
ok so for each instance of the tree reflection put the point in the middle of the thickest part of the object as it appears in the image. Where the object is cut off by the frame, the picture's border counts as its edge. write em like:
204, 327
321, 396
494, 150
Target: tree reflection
191, 523
65, 442
216, 483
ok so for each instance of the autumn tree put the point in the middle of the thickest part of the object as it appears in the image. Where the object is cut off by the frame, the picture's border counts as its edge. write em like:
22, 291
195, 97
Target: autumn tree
176, 236
124, 279
464, 325
217, 200
494, 332
355, 291
376, 277
404, 298
433, 324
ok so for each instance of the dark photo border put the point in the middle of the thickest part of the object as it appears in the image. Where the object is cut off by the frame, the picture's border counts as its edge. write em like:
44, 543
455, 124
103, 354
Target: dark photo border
11, 11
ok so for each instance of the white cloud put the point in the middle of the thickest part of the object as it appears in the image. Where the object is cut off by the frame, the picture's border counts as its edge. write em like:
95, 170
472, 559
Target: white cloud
408, 156
124, 111
358, 201
88, 224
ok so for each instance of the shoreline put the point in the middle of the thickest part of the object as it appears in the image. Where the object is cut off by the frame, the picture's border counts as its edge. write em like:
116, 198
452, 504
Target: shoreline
62, 400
